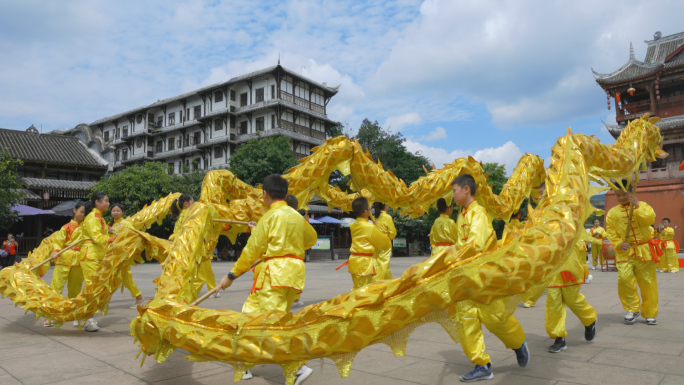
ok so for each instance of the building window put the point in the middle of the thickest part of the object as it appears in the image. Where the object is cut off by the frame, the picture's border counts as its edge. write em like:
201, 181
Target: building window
232, 95
179, 143
150, 117
170, 144
232, 121
106, 136
172, 119
160, 121
125, 154
218, 152
273, 121
186, 140
260, 94
198, 138
196, 163
272, 91
186, 165
243, 127
243, 99
171, 167
160, 146
198, 112
218, 125
260, 124
218, 96
125, 131
118, 133
116, 155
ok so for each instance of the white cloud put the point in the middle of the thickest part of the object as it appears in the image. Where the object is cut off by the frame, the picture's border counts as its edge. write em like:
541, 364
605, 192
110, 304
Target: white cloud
436, 134
507, 154
396, 123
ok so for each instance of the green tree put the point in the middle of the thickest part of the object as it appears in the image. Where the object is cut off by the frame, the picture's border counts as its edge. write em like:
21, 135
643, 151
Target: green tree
260, 157
497, 179
9, 183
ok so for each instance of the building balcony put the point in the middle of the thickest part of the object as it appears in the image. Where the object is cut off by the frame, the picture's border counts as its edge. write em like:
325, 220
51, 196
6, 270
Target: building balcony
241, 138
669, 171
221, 139
664, 108
137, 157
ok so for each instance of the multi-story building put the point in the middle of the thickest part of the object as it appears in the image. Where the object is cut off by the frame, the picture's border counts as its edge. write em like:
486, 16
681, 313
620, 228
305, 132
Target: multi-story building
655, 86
202, 128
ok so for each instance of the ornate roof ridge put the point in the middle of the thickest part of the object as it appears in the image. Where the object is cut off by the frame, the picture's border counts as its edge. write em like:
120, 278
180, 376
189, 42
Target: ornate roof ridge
665, 39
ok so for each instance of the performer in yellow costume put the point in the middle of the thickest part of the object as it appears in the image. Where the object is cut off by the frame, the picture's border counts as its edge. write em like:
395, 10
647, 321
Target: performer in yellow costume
443, 233
670, 248
597, 232
67, 267
205, 274
634, 259
385, 224
475, 228
531, 296
96, 234
367, 242
565, 290
279, 239
117, 211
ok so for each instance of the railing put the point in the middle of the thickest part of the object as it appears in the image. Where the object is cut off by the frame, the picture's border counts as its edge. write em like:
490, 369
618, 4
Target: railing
669, 171
629, 111
285, 96
299, 156
316, 108
318, 134
301, 102
287, 125
302, 129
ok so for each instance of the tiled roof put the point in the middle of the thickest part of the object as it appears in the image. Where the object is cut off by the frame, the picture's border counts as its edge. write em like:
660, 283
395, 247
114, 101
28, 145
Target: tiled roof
663, 124
47, 148
28, 194
656, 54
57, 184
251, 75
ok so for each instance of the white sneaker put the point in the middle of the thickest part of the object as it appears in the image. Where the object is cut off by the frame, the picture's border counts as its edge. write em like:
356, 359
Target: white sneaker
659, 271
526, 306
75, 323
91, 326
673, 272
589, 278
631, 317
302, 374
651, 321
593, 268
47, 323
298, 303
217, 295
247, 375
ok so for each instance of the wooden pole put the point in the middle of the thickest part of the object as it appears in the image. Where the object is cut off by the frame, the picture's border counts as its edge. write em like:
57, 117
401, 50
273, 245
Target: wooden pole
216, 289
56, 256
230, 221
631, 212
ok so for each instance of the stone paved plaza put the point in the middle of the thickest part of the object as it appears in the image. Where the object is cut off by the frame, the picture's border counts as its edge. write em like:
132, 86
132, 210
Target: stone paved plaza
620, 354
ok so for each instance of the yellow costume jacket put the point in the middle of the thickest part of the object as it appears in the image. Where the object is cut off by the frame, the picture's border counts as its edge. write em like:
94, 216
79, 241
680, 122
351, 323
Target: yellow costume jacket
443, 232
68, 234
386, 225
366, 240
667, 235
95, 231
639, 233
280, 239
473, 226
598, 232
121, 223
575, 274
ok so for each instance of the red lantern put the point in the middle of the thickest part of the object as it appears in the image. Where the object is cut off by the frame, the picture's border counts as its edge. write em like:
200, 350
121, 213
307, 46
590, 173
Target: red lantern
631, 91
617, 97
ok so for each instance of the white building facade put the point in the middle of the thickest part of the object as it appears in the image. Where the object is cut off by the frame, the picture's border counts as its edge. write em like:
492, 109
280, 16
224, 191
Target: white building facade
201, 129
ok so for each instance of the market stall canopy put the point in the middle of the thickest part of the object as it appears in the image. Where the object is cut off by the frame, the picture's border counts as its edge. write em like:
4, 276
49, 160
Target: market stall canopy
314, 222
27, 211
327, 219
65, 208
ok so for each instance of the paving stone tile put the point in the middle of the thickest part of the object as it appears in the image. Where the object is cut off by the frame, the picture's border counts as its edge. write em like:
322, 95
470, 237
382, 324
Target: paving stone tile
48, 368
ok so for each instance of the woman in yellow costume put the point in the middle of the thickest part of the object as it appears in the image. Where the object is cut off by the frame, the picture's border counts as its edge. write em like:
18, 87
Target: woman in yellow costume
443, 233
385, 224
205, 274
670, 248
67, 267
97, 237
367, 243
475, 228
597, 232
565, 290
117, 211
633, 257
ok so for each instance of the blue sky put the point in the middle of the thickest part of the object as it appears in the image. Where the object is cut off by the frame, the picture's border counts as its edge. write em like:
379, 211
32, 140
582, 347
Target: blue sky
493, 79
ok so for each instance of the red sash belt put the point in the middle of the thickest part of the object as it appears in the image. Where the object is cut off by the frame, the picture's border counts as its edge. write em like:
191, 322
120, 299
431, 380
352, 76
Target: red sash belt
443, 244
356, 255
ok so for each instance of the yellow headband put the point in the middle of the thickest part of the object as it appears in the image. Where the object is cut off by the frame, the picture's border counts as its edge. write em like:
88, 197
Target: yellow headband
177, 205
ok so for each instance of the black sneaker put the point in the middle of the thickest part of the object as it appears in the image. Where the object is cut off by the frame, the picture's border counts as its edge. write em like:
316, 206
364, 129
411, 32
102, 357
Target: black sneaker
557, 346
590, 331
522, 354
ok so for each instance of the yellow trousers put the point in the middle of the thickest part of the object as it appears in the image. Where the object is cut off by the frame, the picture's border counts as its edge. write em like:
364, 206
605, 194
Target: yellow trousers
669, 261
596, 257
129, 284
89, 269
383, 265
71, 276
531, 296
556, 300
205, 274
360, 281
470, 316
278, 299
632, 273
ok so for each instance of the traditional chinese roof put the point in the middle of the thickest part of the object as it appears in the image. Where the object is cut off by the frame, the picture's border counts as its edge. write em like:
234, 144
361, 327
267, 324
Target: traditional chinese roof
57, 184
662, 53
47, 148
235, 80
663, 124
